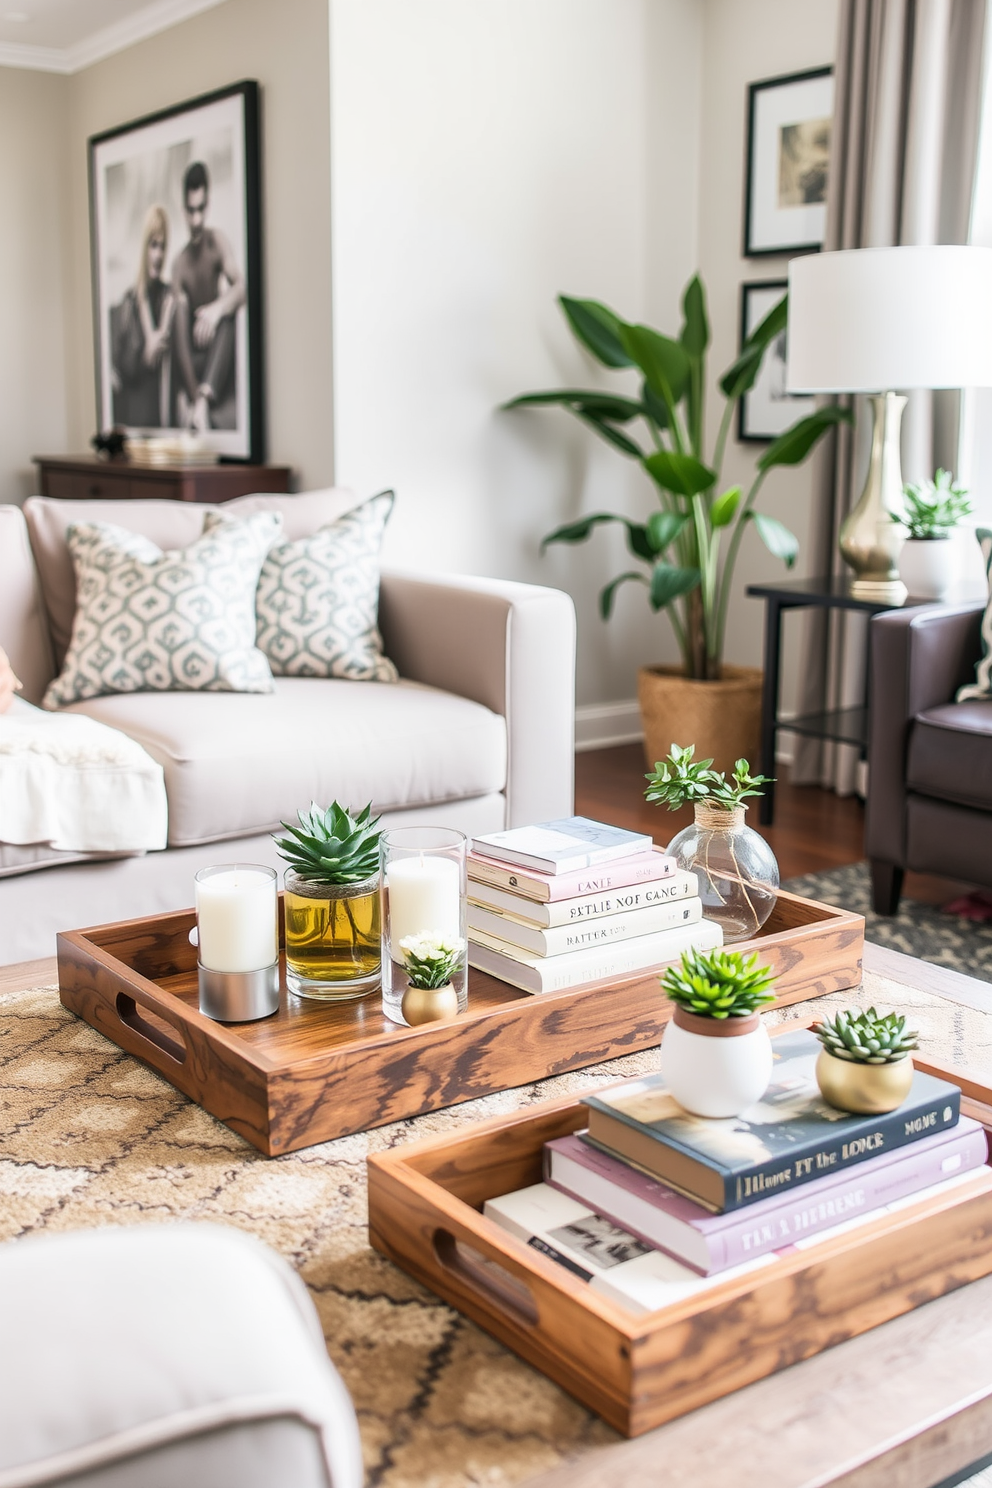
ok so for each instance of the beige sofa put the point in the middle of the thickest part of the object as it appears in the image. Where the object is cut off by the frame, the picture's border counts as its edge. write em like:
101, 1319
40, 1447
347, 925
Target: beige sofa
478, 733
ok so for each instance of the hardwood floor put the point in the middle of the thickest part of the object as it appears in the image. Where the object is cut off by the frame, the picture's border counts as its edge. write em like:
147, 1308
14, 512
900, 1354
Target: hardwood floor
814, 829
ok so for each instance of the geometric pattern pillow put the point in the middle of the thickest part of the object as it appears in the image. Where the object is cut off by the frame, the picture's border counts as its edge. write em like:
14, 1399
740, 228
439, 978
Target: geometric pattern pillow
982, 688
154, 621
318, 600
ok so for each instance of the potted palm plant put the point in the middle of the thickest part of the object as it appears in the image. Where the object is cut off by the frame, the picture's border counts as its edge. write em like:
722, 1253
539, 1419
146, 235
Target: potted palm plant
932, 510
688, 546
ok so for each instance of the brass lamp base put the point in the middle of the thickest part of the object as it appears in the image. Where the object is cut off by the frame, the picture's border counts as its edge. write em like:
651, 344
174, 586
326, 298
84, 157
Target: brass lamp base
870, 541
889, 591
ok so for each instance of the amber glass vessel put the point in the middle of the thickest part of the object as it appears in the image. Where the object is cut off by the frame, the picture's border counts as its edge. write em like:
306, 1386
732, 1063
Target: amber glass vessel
333, 938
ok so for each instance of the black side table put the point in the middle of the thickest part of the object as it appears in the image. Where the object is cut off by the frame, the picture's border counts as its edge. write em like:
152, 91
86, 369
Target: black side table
843, 725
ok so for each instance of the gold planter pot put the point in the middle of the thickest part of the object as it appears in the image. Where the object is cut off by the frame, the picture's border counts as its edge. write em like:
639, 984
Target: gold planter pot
864, 1089
722, 719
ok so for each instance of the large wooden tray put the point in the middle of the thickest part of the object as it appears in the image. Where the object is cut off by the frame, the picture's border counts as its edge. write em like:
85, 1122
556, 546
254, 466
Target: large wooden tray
311, 1072
638, 1372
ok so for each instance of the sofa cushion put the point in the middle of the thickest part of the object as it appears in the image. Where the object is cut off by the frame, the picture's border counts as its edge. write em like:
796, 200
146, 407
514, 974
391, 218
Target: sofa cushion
152, 621
317, 602
950, 753
169, 524
242, 763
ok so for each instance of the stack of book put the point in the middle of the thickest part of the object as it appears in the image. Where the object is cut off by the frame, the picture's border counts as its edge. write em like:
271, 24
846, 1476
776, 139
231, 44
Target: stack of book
650, 1204
574, 901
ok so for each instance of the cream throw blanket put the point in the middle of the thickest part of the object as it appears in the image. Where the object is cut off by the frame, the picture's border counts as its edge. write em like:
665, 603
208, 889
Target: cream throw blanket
77, 785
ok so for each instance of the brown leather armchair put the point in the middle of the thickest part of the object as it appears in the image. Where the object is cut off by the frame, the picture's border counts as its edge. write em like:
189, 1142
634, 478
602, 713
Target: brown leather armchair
929, 802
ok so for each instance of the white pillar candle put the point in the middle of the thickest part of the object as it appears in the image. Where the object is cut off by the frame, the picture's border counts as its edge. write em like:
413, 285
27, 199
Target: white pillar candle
237, 920
424, 896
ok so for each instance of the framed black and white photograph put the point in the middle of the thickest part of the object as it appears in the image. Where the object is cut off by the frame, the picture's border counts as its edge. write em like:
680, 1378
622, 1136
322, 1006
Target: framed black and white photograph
174, 221
767, 410
788, 162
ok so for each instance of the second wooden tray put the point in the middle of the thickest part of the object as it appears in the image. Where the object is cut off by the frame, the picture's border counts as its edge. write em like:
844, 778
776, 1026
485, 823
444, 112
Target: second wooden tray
313, 1072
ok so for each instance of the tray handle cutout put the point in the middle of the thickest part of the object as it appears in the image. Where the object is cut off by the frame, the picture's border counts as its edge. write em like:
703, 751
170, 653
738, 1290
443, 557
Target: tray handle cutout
154, 1027
497, 1286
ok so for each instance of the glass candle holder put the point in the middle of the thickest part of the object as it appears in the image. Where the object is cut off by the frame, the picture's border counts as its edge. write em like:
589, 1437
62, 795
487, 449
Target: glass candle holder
237, 939
333, 939
423, 893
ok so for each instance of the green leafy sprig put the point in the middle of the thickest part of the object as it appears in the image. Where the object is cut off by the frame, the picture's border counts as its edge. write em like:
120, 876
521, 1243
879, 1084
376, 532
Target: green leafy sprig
865, 1038
718, 984
430, 960
934, 507
332, 846
680, 780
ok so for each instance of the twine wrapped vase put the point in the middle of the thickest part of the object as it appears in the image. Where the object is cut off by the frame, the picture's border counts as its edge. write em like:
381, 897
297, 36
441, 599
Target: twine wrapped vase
737, 872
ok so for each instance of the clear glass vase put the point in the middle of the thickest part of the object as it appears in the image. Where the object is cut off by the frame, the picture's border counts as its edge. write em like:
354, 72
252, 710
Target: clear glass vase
737, 872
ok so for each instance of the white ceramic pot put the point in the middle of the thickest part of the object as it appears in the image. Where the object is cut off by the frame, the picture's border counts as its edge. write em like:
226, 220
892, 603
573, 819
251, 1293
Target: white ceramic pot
716, 1066
926, 566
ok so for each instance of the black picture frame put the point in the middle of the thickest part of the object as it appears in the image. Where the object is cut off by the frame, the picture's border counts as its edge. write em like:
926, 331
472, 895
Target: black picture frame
767, 410
160, 346
785, 200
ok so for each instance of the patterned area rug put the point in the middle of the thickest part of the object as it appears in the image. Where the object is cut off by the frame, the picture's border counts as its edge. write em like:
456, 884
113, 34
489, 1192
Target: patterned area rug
90, 1137
917, 930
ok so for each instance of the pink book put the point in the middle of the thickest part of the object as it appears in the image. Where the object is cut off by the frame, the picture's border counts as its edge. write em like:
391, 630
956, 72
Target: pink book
621, 874
713, 1242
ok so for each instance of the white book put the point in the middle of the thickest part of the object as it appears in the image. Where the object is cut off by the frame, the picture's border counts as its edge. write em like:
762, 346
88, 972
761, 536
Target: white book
613, 1262
574, 968
533, 941
583, 907
563, 846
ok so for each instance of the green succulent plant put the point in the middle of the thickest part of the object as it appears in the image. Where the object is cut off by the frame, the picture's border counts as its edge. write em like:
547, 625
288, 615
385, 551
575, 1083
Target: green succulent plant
680, 779
718, 984
865, 1038
332, 846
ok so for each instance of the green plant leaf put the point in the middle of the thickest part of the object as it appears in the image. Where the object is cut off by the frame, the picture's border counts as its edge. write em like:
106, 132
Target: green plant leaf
740, 376
597, 328
611, 434
604, 405
792, 447
663, 528
683, 474
724, 507
776, 537
663, 361
639, 542
695, 335
668, 582
653, 406
573, 532
608, 594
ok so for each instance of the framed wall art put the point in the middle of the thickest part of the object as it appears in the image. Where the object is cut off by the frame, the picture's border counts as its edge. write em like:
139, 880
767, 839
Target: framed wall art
767, 410
788, 162
177, 293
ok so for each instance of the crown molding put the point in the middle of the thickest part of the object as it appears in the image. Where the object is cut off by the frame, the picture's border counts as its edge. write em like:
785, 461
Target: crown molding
148, 21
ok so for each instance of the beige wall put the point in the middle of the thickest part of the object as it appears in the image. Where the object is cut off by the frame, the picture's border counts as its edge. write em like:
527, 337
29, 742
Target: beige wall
745, 41
284, 46
33, 235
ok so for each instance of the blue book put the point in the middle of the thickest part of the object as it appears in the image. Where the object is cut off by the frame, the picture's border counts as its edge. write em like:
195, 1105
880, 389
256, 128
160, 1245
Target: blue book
788, 1138
563, 846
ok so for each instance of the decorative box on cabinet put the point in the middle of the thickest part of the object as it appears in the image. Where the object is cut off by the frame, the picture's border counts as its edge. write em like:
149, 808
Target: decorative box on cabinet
86, 478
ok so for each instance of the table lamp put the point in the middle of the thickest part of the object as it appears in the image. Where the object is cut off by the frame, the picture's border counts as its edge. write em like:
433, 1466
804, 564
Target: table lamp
870, 320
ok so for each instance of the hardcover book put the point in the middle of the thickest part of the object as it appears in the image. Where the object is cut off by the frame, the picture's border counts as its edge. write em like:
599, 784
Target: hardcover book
547, 888
550, 914
713, 1242
788, 1138
600, 963
563, 846
585, 934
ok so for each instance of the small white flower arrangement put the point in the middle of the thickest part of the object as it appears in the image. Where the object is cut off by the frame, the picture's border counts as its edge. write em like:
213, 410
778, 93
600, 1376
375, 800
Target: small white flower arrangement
430, 958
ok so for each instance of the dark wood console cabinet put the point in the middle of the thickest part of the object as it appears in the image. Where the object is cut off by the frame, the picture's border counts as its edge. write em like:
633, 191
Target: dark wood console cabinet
85, 477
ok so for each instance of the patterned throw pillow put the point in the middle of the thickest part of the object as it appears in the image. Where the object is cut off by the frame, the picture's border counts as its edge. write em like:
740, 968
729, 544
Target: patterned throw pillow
183, 620
318, 600
982, 687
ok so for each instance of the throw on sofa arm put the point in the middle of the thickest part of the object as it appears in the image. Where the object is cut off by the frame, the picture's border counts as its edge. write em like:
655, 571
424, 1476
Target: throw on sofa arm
919, 659
508, 646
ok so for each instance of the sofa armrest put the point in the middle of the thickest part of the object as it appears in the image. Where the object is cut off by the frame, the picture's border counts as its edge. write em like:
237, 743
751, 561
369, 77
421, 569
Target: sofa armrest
919, 659
508, 646
23, 626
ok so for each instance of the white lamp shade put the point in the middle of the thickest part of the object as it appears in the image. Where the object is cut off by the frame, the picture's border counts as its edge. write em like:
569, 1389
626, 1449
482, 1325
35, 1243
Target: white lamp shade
867, 320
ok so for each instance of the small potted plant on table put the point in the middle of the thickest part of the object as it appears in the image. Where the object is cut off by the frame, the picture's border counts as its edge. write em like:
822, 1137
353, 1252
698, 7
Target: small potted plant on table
716, 1056
736, 869
865, 1065
429, 961
933, 509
